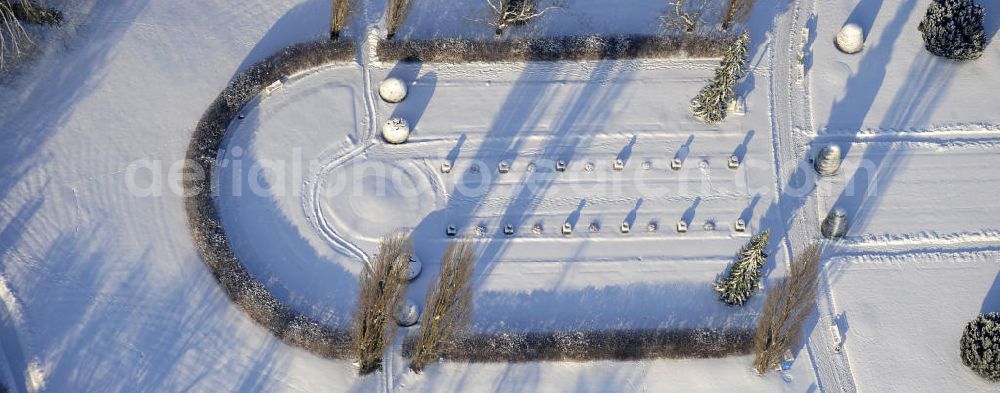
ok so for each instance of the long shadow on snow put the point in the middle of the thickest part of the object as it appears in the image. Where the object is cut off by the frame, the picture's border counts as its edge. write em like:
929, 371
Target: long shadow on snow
861, 195
303, 23
11, 341
40, 102
282, 259
106, 321
862, 87
864, 15
691, 305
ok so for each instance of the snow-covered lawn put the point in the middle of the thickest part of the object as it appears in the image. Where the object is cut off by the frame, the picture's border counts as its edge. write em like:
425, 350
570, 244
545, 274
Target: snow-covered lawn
903, 314
103, 290
894, 84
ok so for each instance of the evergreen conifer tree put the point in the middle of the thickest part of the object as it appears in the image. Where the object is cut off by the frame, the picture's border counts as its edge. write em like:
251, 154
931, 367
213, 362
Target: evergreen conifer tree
713, 100
737, 287
980, 346
954, 29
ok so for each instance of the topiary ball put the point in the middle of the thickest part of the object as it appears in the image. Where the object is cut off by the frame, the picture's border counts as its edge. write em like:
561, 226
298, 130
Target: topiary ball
980, 346
850, 39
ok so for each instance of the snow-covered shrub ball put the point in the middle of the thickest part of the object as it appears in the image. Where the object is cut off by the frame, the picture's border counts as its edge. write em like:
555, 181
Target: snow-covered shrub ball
980, 346
392, 90
396, 130
413, 270
851, 38
954, 29
408, 315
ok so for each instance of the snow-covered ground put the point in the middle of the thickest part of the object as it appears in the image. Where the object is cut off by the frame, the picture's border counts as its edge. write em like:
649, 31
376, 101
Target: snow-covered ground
102, 289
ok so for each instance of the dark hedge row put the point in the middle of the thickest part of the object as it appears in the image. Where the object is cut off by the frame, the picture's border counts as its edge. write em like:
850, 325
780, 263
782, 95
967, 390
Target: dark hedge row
625, 344
203, 216
448, 50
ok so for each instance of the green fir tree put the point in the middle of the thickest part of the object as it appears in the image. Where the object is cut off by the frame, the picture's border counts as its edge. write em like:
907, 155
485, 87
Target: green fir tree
744, 274
712, 102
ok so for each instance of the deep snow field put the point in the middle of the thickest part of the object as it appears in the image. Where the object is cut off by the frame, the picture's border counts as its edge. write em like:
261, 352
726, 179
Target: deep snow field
103, 289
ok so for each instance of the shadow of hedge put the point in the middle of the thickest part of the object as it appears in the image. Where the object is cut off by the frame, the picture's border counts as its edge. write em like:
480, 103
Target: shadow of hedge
209, 236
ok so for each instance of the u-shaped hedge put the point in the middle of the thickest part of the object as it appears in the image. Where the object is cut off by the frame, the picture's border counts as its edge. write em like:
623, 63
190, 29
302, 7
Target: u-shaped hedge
242, 287
299, 330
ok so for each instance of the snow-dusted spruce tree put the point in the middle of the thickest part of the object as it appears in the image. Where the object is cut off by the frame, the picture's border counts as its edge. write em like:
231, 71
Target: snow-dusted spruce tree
713, 100
954, 29
744, 273
980, 346
447, 305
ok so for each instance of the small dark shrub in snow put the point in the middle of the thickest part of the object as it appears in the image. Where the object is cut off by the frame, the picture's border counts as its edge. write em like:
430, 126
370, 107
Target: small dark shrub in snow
980, 346
712, 102
625, 344
554, 49
954, 29
203, 217
744, 273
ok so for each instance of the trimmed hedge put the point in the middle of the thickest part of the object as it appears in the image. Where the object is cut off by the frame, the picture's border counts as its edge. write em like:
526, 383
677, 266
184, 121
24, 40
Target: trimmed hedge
625, 344
449, 50
203, 216
302, 331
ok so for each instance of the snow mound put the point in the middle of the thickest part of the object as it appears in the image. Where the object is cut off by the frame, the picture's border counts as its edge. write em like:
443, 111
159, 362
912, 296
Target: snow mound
396, 131
408, 314
851, 38
392, 90
414, 268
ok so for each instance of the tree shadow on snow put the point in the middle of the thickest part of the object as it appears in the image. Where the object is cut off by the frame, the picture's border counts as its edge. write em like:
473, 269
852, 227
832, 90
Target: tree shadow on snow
864, 15
306, 21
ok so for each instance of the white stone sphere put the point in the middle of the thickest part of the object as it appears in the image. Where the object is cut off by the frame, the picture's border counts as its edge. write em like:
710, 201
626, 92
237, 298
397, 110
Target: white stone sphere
396, 130
414, 268
392, 90
408, 315
851, 38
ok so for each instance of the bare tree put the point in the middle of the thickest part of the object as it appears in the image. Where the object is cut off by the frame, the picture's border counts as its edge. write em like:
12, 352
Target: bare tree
515, 12
396, 12
736, 11
339, 11
12, 33
684, 15
447, 306
13, 36
383, 285
789, 302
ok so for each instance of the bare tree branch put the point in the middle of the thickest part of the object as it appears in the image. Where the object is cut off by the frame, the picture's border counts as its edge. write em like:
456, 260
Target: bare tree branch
339, 11
685, 15
789, 303
447, 306
396, 11
736, 11
382, 286
515, 12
